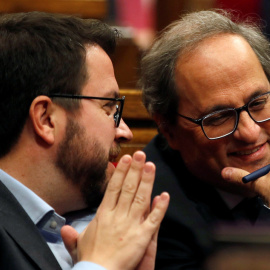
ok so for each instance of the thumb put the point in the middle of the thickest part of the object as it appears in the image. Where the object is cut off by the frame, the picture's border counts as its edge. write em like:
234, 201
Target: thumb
70, 236
233, 174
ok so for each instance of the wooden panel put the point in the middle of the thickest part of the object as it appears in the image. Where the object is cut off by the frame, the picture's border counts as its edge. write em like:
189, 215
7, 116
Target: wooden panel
126, 62
196, 5
169, 11
84, 8
141, 137
138, 120
134, 108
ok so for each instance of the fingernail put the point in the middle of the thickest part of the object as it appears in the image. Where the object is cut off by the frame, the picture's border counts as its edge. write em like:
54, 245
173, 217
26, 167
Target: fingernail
147, 168
138, 156
126, 159
226, 173
164, 196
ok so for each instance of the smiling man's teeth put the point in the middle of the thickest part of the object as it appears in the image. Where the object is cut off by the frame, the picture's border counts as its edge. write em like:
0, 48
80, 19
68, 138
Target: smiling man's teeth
247, 152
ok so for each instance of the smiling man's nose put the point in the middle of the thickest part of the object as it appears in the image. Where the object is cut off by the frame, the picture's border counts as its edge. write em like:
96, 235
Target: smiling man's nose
247, 130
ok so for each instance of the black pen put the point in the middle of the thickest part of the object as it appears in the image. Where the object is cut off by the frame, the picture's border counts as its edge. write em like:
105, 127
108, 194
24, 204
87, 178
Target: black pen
257, 174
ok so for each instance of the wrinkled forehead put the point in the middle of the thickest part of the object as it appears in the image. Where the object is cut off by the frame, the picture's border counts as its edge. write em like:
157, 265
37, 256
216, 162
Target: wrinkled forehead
221, 69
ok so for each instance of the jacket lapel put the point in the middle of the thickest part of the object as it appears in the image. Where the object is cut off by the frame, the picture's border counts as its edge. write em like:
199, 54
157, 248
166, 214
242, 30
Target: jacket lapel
23, 231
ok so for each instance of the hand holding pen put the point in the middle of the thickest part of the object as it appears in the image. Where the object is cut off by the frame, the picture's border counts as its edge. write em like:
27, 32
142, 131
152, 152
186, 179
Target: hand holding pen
245, 183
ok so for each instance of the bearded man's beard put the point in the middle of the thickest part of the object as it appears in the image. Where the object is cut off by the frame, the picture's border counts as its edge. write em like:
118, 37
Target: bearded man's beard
83, 161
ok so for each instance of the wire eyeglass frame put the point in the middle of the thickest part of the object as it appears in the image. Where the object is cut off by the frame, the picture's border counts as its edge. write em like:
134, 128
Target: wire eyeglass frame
237, 115
117, 115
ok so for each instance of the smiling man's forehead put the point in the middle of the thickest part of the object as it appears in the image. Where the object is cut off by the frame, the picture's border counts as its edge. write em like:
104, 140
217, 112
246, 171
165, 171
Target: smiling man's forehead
210, 80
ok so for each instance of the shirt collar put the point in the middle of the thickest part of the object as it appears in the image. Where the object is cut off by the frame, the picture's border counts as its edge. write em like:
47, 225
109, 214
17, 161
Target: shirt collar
230, 199
39, 211
33, 205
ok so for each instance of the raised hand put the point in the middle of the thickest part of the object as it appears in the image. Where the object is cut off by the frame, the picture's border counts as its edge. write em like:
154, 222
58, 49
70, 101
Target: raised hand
123, 234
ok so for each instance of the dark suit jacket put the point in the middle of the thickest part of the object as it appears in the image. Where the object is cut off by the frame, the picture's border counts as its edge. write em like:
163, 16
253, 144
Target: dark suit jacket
21, 245
185, 237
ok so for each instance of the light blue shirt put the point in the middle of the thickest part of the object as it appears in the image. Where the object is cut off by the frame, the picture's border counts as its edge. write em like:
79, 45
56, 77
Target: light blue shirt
49, 222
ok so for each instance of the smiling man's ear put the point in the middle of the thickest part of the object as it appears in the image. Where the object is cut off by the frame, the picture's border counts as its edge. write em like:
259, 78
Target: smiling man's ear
41, 114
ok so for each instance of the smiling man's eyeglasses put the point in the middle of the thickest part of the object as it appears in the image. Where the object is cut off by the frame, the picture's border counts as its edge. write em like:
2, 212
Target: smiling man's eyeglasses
117, 104
222, 123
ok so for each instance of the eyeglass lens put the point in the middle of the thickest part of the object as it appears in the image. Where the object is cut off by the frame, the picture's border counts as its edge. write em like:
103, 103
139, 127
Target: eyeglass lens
117, 114
222, 123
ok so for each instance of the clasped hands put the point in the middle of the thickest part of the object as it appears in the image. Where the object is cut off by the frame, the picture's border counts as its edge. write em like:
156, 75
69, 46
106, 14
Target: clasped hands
123, 234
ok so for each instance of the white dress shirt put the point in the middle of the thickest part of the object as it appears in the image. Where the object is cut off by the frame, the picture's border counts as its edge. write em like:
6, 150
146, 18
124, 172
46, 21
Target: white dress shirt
49, 222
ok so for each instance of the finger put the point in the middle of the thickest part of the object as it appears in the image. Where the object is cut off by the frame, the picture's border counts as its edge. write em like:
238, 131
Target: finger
141, 202
154, 202
115, 184
151, 207
148, 260
155, 236
70, 236
233, 174
154, 219
131, 183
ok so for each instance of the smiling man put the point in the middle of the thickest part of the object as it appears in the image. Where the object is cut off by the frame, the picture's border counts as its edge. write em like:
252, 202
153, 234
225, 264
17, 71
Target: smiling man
205, 81
60, 130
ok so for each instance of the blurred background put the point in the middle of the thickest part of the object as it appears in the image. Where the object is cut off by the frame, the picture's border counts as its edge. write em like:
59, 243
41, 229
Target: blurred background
139, 21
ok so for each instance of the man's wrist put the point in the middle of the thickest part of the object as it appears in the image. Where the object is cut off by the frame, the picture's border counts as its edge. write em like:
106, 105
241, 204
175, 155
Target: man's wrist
84, 265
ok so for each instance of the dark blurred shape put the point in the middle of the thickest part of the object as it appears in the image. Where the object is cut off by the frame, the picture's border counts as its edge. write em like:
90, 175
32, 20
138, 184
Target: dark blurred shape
257, 11
265, 13
241, 247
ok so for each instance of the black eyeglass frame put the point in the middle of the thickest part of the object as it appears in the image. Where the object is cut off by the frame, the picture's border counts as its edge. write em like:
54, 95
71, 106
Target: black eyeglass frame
237, 110
117, 115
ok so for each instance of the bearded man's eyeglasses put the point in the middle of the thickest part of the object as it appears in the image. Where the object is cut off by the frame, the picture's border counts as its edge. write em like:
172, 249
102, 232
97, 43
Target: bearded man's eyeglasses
114, 106
222, 123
